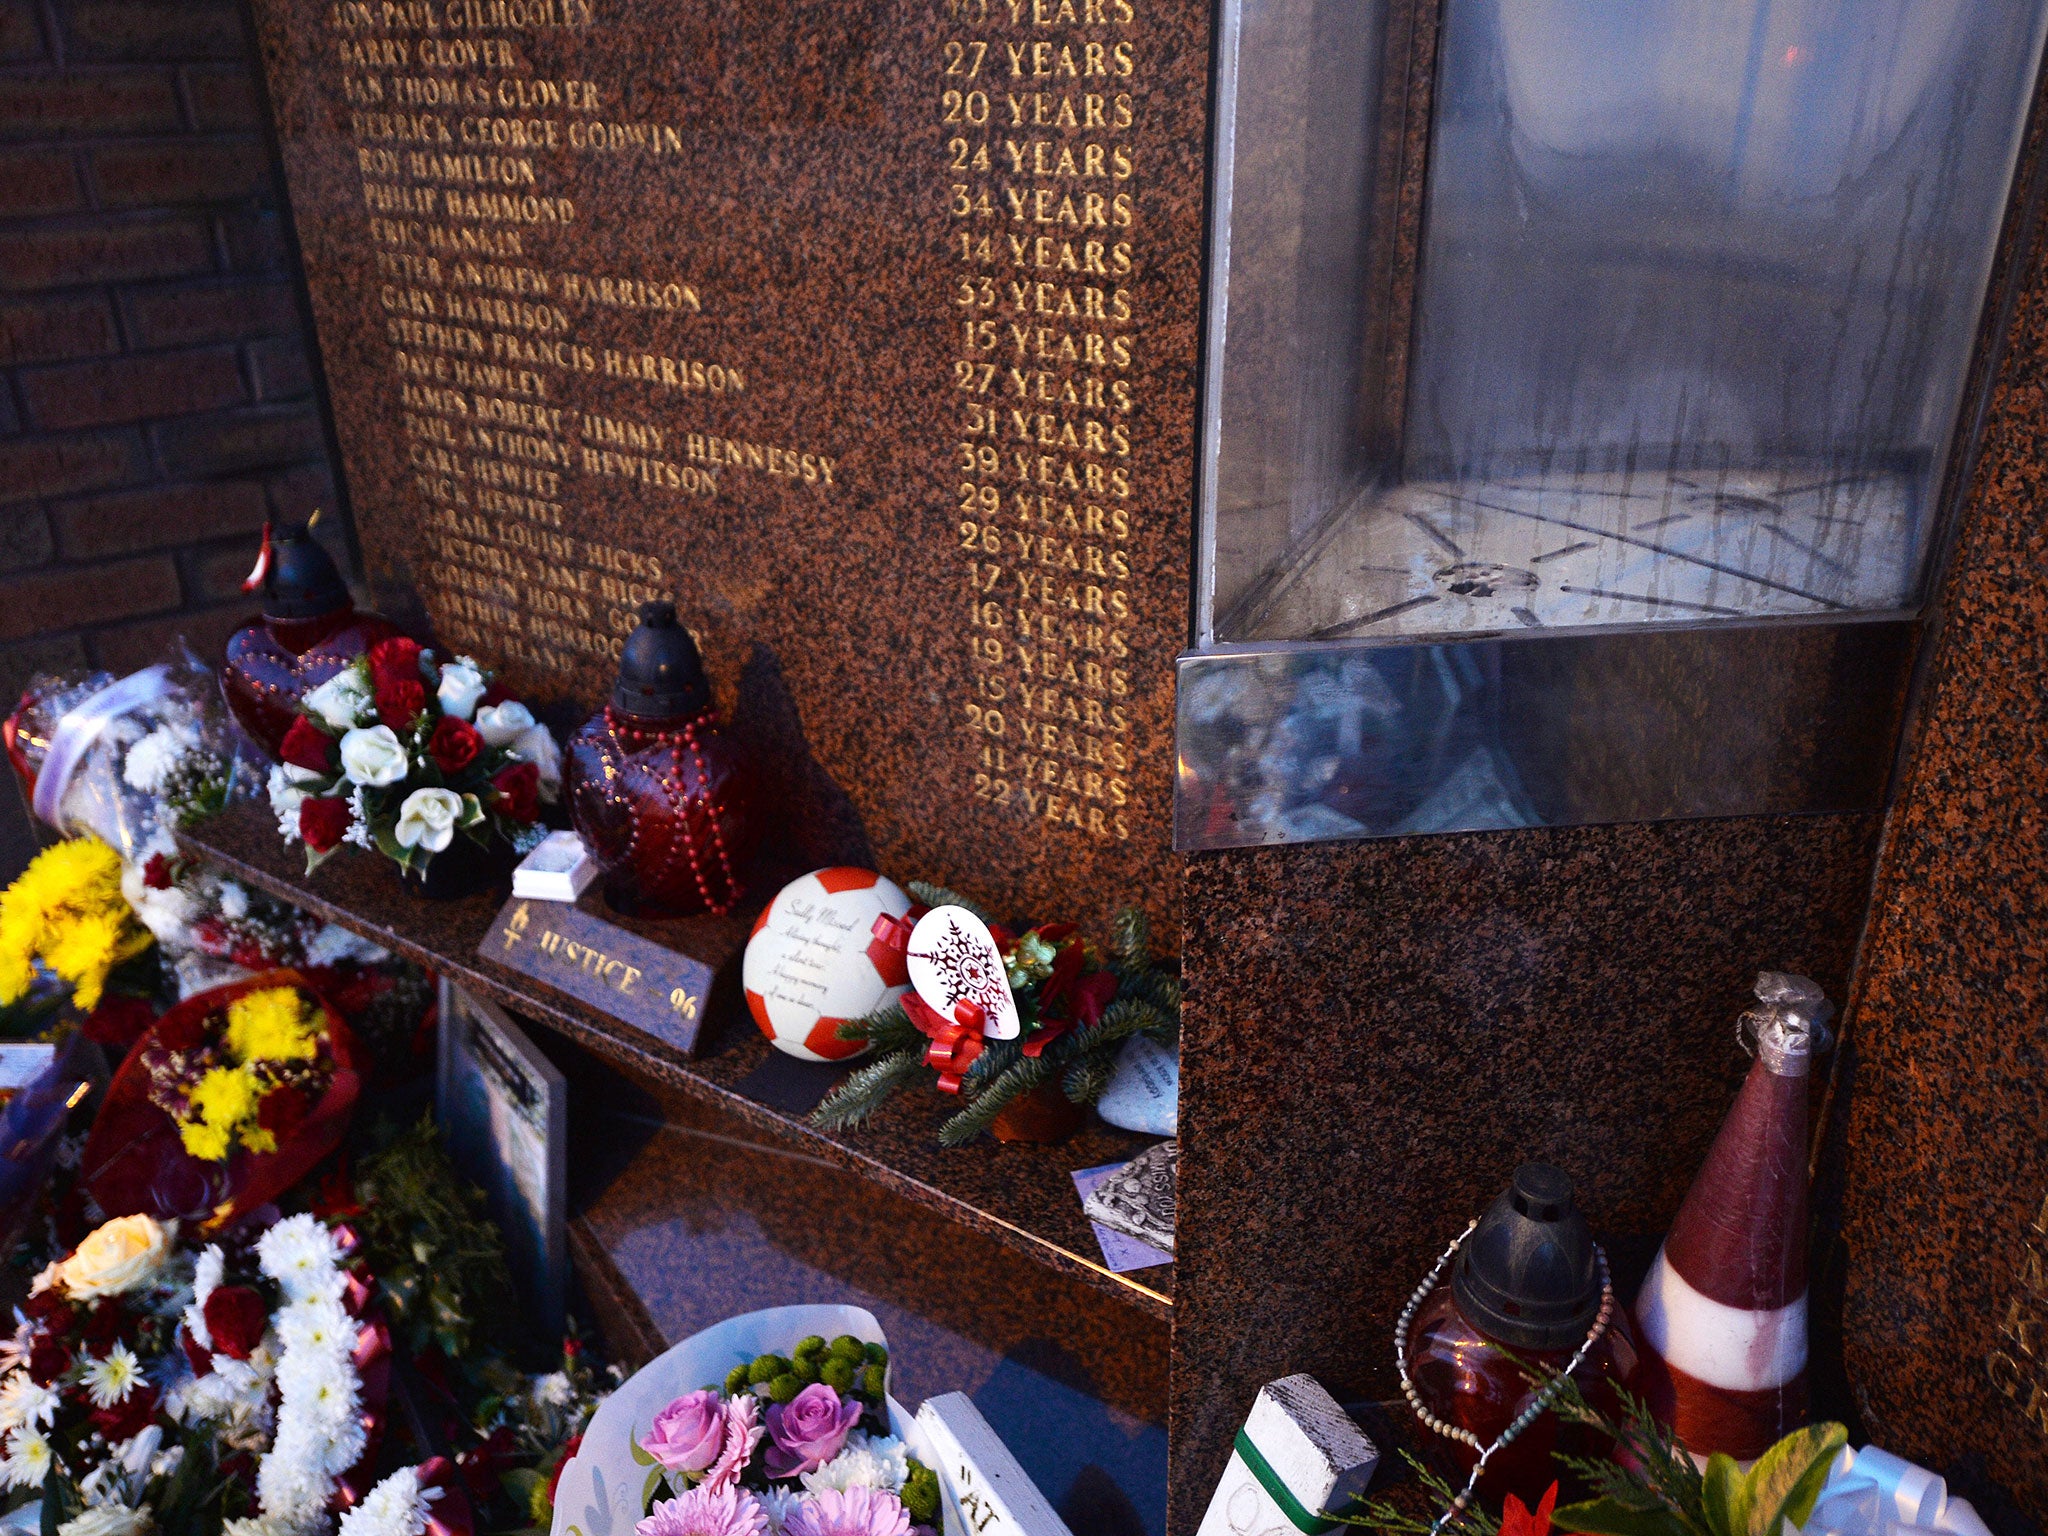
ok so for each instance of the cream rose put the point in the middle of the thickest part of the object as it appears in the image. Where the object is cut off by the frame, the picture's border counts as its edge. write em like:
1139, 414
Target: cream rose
342, 700
461, 686
537, 747
427, 819
121, 1256
502, 724
373, 756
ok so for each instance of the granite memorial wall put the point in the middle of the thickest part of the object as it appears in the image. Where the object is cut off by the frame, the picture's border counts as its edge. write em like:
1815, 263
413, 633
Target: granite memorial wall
869, 336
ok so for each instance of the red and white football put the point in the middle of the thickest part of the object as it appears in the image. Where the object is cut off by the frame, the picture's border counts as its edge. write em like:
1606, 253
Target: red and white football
811, 962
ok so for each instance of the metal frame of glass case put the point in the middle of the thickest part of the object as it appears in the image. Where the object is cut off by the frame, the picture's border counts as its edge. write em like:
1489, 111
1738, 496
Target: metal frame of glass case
1588, 392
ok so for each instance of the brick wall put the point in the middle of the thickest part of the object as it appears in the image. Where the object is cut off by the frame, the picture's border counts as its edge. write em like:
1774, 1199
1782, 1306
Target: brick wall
155, 395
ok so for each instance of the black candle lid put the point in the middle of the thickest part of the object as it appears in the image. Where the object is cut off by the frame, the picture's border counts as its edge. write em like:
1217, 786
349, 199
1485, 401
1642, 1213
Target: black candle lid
1527, 1276
301, 580
660, 673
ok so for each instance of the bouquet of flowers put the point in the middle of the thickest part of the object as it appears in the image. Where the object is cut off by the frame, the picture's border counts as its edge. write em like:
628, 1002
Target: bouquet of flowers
65, 917
400, 753
150, 1387
121, 758
224, 1103
1076, 1004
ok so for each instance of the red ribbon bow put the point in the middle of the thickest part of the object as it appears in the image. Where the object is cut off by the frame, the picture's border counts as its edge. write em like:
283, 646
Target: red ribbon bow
449, 1515
889, 948
956, 1042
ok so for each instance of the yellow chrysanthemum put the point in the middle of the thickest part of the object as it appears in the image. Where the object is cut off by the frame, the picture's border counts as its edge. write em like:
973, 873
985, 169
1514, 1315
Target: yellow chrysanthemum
67, 909
271, 1025
209, 1143
256, 1139
226, 1096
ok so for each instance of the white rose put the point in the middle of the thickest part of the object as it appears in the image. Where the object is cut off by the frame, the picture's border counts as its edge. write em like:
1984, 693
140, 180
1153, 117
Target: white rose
502, 724
120, 1256
373, 756
427, 819
461, 686
286, 797
342, 700
537, 747
109, 1520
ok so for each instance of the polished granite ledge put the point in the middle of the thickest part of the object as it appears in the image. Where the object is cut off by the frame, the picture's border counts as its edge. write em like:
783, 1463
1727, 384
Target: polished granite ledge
1022, 1196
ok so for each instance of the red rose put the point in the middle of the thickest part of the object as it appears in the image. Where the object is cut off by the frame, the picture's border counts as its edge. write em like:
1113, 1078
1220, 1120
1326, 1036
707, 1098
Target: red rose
48, 1359
280, 1113
49, 1308
118, 1023
396, 660
305, 745
236, 1319
156, 874
177, 1031
322, 821
454, 744
518, 787
400, 702
201, 1360
105, 1321
127, 1418
555, 1479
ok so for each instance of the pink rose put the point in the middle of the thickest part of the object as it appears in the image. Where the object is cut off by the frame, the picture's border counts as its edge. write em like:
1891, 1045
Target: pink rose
688, 1433
743, 1432
808, 1431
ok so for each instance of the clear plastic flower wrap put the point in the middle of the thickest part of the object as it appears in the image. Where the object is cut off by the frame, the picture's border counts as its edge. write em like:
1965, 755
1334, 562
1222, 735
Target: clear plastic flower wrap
119, 758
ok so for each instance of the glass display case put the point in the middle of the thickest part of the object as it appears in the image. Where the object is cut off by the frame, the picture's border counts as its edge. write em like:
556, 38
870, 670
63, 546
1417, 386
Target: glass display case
1562, 320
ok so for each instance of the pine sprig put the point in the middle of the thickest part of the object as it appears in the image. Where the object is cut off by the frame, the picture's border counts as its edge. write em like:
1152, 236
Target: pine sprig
1131, 936
940, 896
854, 1100
887, 1029
1014, 1083
1087, 1077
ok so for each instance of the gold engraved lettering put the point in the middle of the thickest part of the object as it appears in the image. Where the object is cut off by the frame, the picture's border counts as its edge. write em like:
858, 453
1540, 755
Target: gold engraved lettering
674, 372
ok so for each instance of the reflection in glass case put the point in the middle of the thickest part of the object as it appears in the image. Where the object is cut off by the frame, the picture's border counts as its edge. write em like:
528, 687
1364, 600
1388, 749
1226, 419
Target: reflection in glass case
1535, 315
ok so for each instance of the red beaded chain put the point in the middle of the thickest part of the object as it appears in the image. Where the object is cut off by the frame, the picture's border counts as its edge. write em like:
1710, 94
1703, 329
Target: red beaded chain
679, 741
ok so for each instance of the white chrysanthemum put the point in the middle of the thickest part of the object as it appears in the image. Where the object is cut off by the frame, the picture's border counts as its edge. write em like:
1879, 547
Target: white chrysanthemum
153, 759
28, 1458
299, 1253
780, 1503
207, 1272
22, 1401
398, 1506
292, 1481
318, 1325
110, 1380
14, 1348
109, 1520
853, 1467
257, 1525
892, 1452
234, 900
555, 1390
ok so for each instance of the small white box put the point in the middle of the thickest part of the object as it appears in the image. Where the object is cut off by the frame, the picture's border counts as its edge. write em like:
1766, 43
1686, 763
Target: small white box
559, 869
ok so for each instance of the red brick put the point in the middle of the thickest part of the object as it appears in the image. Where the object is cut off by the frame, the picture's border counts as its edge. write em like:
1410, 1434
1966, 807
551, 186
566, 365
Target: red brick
53, 600
298, 493
280, 369
24, 538
157, 516
130, 101
104, 252
223, 100
10, 417
187, 313
133, 646
132, 388
55, 466
240, 440
155, 29
20, 37
156, 175
255, 242
56, 329
216, 575
38, 181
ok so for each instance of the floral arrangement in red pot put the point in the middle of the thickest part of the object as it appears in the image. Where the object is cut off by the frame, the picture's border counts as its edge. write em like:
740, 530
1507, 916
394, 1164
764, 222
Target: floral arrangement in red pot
402, 753
224, 1103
